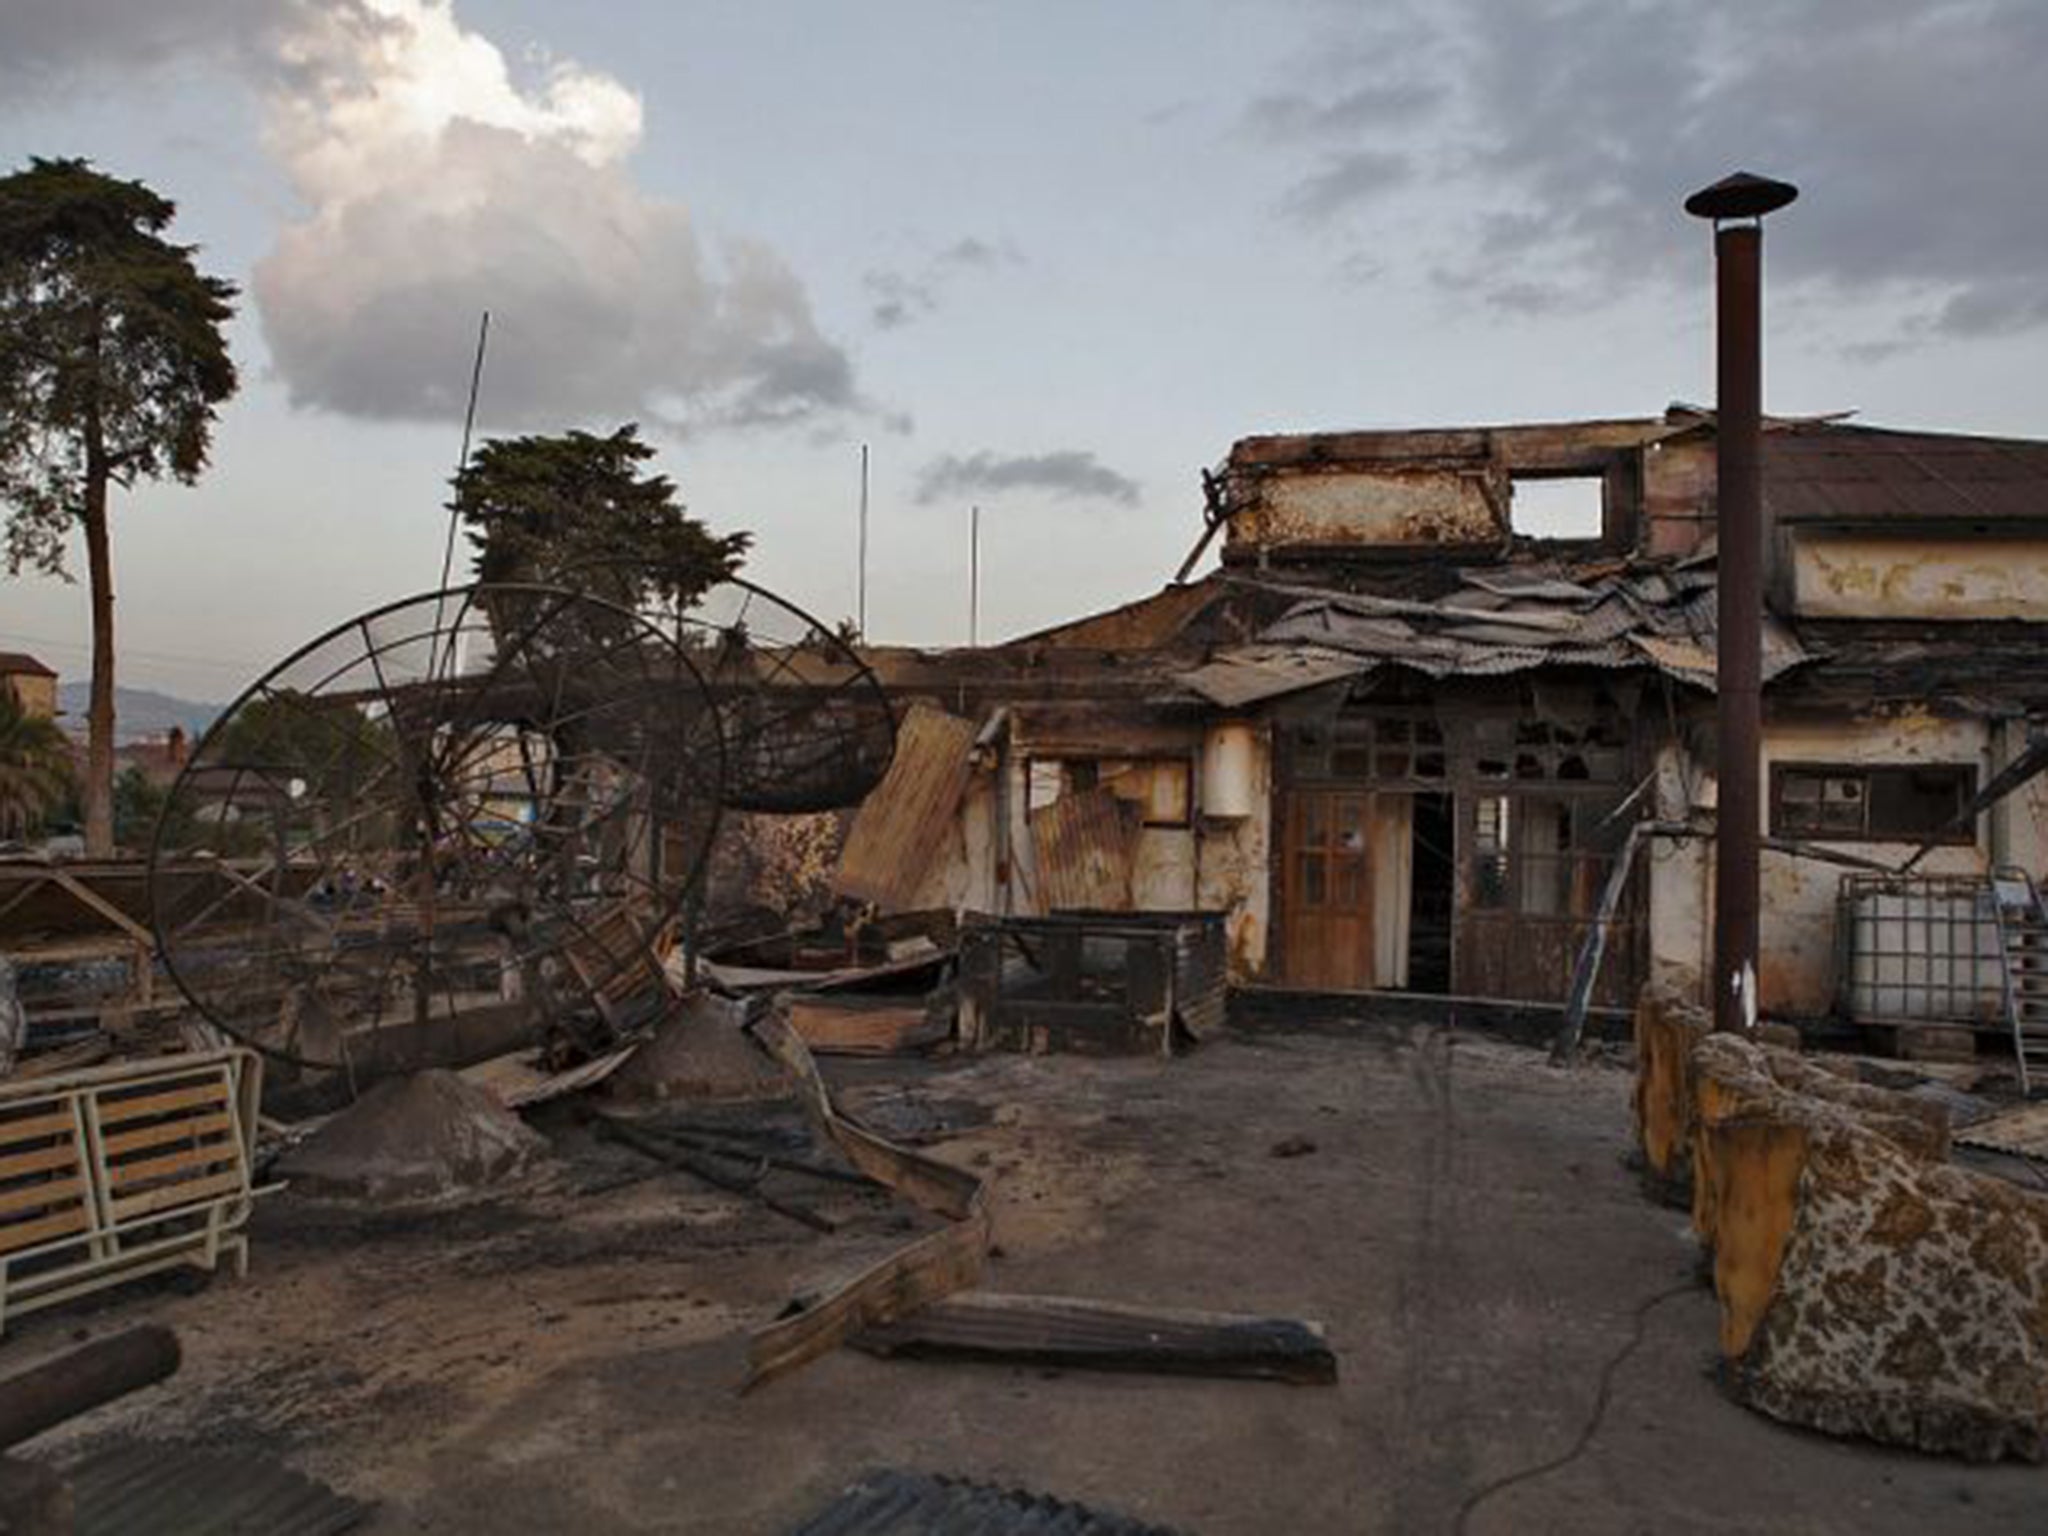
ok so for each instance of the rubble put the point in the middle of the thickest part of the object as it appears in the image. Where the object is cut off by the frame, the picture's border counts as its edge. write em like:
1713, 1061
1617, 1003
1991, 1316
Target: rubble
428, 1137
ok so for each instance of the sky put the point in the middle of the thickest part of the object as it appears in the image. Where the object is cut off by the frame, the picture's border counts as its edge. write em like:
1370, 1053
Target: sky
1050, 259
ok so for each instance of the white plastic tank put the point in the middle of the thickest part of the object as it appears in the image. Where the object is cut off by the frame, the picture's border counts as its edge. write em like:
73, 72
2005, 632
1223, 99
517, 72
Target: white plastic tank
1230, 763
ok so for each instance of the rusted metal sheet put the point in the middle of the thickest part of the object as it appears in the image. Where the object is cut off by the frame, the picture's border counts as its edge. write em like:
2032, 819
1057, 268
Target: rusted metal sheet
1085, 844
900, 828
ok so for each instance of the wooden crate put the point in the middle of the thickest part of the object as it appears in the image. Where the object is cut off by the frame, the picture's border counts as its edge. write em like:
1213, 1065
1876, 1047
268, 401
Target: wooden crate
112, 1172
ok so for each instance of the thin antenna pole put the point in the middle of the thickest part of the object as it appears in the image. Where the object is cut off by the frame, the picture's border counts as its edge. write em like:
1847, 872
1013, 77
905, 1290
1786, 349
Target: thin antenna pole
860, 615
974, 576
476, 378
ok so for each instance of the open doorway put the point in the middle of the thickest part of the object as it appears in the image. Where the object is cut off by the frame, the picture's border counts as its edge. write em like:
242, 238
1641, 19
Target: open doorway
1432, 879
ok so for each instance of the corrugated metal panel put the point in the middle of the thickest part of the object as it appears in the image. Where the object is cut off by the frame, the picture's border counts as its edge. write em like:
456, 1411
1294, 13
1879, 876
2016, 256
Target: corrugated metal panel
894, 1503
898, 831
1085, 843
1247, 674
164, 1489
1832, 473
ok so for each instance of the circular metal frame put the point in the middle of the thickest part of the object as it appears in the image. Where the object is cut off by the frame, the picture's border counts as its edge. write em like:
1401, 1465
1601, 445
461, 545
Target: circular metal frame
465, 816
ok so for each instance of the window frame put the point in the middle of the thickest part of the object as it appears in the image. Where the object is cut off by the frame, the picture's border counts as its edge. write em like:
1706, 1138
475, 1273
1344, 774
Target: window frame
1964, 836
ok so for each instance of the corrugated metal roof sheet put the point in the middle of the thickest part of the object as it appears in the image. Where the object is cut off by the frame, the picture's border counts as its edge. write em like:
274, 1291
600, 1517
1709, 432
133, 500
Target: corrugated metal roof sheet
1819, 473
168, 1489
897, 831
894, 1503
1602, 615
1245, 674
1085, 842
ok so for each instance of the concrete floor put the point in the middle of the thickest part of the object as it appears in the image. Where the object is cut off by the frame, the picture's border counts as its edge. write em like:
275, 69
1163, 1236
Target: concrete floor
1464, 1226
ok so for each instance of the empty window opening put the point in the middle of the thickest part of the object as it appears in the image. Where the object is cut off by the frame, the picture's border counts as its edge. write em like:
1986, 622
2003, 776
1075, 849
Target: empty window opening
1571, 508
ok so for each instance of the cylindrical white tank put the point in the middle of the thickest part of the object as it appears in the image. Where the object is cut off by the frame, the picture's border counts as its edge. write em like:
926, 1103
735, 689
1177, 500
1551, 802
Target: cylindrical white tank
1230, 760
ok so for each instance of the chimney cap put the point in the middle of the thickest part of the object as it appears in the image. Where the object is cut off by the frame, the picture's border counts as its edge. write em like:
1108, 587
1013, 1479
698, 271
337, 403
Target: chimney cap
1744, 195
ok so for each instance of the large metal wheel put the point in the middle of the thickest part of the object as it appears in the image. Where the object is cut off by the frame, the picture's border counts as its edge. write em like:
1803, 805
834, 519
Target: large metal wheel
453, 826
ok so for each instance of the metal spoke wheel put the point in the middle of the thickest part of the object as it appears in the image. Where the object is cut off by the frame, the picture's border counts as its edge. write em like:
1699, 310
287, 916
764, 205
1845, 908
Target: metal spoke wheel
453, 826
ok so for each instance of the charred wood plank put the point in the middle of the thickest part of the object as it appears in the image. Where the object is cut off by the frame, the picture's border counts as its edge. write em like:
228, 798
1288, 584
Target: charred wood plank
1071, 1333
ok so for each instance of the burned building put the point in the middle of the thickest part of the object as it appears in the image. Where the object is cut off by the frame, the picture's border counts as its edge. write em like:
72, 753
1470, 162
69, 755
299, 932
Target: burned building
1402, 733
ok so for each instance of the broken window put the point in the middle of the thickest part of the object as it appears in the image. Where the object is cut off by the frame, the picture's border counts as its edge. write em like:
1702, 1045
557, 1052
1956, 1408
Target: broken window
1569, 508
1541, 855
1893, 802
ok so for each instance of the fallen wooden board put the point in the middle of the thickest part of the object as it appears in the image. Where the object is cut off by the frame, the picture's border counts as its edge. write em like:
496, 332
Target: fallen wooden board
1072, 1333
935, 1265
866, 1026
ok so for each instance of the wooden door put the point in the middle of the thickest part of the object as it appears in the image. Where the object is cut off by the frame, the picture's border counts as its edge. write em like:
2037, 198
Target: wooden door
1327, 943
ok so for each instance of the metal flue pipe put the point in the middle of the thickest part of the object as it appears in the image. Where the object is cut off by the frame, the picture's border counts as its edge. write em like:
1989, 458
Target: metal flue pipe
1737, 205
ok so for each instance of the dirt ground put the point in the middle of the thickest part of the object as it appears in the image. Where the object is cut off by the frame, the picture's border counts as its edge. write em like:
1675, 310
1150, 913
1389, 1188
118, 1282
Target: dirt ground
1501, 1299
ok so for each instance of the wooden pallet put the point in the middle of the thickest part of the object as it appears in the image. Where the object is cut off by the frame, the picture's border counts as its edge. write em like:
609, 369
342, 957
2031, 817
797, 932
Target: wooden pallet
113, 1172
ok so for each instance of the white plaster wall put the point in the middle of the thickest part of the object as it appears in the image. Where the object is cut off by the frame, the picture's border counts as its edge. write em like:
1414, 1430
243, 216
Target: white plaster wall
1841, 575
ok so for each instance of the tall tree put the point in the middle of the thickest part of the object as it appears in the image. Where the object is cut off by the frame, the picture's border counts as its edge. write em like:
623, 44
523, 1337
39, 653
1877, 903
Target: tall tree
35, 767
575, 509
112, 363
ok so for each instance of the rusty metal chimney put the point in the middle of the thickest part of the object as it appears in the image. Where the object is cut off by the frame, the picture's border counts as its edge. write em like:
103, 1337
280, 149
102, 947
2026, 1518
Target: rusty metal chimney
1737, 205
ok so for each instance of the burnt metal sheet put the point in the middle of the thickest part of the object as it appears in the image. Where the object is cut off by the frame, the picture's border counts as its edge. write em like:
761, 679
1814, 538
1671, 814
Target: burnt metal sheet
172, 1489
1539, 582
1085, 844
1248, 674
898, 1503
897, 833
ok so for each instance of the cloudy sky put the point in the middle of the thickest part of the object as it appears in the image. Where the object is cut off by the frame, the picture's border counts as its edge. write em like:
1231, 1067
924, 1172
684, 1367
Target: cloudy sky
1049, 257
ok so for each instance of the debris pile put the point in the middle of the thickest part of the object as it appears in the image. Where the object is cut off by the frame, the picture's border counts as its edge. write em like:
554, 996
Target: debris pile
430, 1136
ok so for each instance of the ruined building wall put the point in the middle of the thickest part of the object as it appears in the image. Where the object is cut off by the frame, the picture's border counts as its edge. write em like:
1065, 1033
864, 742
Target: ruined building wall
1797, 960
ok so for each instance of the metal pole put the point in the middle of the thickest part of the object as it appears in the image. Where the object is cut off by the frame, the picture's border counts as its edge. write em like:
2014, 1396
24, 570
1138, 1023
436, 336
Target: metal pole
860, 617
1738, 672
974, 576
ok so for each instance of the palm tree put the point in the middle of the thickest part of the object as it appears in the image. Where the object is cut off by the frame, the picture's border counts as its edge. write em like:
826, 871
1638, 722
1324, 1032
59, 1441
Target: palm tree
35, 767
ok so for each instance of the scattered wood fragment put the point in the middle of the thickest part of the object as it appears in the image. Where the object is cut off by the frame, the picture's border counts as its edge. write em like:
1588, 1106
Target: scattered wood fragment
935, 1265
1071, 1333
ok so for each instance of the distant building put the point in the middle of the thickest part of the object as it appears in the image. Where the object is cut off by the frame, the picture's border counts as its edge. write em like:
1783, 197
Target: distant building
31, 685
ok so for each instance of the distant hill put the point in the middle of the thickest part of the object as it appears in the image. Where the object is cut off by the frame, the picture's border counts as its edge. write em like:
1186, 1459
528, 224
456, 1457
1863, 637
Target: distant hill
138, 712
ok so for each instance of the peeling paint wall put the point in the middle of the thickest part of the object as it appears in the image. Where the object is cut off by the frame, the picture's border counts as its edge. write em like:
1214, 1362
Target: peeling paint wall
1863, 576
1384, 504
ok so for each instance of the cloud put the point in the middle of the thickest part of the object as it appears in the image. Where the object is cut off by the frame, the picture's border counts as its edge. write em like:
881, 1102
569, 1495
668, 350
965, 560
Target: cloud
1344, 182
1067, 474
897, 298
1561, 135
436, 182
